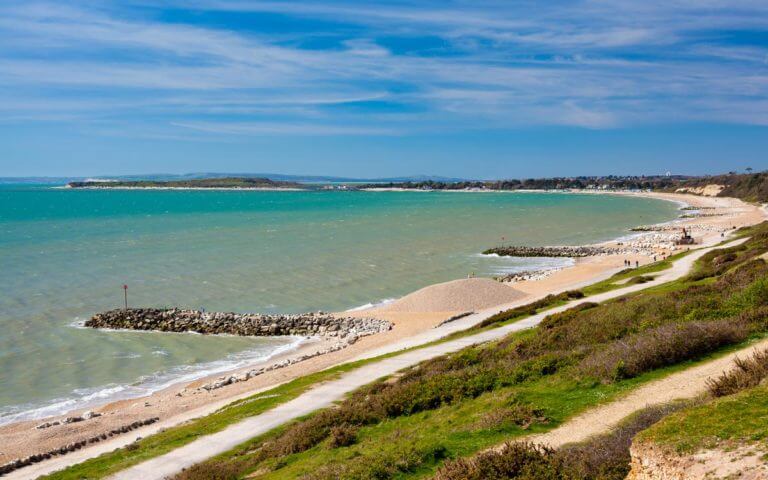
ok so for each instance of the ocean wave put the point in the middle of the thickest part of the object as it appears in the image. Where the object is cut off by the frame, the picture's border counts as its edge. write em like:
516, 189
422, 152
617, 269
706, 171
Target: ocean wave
143, 386
380, 303
503, 265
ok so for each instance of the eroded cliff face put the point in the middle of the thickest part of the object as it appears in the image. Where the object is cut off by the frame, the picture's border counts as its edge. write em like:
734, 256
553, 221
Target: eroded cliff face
743, 462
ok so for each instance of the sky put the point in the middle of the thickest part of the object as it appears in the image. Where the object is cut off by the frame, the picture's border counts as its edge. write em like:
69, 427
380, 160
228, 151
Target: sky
472, 89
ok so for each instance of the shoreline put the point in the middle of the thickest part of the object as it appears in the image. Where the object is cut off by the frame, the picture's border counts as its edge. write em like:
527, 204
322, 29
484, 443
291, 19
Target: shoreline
175, 404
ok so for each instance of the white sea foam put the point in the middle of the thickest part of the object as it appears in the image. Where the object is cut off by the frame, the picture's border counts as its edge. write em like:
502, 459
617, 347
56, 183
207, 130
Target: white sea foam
366, 306
503, 265
145, 385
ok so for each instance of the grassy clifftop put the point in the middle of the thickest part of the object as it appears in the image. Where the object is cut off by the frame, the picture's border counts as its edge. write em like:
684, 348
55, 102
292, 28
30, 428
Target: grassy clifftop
734, 419
749, 187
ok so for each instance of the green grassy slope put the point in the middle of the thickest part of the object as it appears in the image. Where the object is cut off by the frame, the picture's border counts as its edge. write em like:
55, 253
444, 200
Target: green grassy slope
739, 418
459, 404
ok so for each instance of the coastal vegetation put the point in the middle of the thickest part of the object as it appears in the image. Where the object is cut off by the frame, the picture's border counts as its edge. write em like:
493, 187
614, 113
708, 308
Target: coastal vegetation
751, 187
456, 405
517, 313
228, 182
556, 183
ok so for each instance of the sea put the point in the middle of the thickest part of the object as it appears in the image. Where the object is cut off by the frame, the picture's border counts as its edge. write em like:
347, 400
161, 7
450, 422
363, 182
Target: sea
66, 254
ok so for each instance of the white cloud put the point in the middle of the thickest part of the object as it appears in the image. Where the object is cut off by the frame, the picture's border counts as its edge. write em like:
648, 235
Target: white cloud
274, 128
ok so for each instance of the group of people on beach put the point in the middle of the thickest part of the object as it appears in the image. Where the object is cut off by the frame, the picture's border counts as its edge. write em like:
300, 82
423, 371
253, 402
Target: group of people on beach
628, 263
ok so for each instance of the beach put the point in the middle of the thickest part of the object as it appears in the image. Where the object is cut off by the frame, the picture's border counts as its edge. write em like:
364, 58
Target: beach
414, 317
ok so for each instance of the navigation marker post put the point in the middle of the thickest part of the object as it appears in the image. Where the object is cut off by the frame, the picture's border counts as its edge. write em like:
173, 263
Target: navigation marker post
125, 291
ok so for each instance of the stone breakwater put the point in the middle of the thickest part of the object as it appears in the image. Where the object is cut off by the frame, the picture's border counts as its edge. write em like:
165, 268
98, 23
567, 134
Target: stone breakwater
565, 251
526, 275
243, 324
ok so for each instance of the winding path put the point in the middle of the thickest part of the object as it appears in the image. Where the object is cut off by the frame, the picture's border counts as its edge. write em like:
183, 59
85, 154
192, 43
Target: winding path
327, 393
683, 385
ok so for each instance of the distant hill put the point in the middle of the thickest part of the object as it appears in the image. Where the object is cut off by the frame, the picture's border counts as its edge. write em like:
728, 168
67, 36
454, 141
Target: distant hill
285, 178
225, 182
167, 177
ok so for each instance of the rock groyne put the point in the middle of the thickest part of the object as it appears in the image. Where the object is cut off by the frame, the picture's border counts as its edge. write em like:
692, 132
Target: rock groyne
243, 324
564, 251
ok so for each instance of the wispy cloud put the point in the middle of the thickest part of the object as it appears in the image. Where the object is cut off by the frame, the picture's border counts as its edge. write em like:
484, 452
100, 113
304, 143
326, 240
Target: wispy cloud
383, 69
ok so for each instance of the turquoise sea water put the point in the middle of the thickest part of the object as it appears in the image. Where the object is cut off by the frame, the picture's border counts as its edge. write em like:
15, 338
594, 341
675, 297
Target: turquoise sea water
64, 254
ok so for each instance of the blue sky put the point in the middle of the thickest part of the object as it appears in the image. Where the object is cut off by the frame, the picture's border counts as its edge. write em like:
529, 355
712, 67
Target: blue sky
480, 89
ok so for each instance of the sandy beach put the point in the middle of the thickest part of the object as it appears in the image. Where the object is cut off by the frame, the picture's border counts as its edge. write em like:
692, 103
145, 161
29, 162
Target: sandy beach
708, 220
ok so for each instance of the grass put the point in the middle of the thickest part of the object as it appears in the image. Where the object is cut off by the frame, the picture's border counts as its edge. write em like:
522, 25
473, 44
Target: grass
739, 418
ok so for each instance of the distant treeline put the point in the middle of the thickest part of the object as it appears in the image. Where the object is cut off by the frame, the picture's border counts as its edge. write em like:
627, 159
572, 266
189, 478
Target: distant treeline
557, 183
196, 183
751, 187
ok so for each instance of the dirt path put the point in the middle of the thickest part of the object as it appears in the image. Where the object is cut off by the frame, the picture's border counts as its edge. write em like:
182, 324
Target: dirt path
686, 384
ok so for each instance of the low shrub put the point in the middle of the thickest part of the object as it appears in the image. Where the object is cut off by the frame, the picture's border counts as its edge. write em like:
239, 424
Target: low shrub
513, 460
745, 374
211, 471
522, 415
724, 258
530, 308
640, 279
661, 346
383, 466
343, 436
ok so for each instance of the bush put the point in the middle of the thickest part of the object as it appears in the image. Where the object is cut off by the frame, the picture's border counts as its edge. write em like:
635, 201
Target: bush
530, 308
746, 374
211, 471
522, 415
513, 460
640, 279
383, 466
661, 346
343, 436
